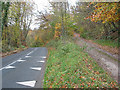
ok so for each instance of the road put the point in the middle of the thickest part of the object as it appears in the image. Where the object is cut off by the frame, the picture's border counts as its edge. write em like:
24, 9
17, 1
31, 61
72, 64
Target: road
24, 69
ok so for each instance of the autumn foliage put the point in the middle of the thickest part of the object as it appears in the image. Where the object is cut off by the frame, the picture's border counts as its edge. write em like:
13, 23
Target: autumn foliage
105, 12
57, 30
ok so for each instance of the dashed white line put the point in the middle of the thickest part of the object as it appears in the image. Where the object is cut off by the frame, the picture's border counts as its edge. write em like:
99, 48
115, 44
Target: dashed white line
21, 60
30, 52
9, 67
41, 61
43, 56
27, 56
36, 68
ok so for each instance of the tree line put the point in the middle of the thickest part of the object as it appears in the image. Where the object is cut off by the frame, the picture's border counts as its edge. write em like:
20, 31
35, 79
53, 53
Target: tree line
16, 21
92, 20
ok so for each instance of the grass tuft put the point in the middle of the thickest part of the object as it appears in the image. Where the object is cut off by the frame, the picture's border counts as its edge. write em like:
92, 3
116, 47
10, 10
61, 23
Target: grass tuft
109, 43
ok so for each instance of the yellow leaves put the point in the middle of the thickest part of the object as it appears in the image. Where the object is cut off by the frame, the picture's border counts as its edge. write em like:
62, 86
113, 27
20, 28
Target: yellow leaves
36, 37
57, 26
105, 12
57, 34
103, 22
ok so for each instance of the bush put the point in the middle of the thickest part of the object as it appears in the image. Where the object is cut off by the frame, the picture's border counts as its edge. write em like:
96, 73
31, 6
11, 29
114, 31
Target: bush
37, 43
53, 43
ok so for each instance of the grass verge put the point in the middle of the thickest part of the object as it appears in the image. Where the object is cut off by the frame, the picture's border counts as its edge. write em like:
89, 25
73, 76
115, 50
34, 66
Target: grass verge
68, 66
109, 43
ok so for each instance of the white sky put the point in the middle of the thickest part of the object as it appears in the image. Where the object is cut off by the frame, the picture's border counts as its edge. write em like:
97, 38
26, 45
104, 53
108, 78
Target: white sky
42, 5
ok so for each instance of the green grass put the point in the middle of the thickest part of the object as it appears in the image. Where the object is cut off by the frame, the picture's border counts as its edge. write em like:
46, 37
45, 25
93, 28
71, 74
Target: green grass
104, 42
68, 66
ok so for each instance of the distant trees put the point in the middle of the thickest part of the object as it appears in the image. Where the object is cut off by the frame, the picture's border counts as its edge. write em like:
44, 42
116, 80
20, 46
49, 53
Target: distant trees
91, 20
60, 11
16, 21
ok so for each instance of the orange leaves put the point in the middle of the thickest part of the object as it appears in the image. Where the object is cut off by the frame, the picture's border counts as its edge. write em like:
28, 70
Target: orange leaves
64, 86
92, 78
97, 72
57, 34
105, 12
88, 83
82, 77
100, 79
63, 74
61, 79
50, 87
112, 84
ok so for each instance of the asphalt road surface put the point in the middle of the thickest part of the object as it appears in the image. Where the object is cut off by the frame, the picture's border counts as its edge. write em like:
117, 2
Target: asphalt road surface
24, 69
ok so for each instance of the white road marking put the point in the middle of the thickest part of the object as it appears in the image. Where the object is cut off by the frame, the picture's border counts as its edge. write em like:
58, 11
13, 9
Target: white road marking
1, 68
27, 83
21, 60
11, 63
41, 61
30, 52
27, 56
36, 68
43, 56
9, 67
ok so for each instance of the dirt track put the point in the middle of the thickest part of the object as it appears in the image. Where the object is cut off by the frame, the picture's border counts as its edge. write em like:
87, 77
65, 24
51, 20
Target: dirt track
105, 59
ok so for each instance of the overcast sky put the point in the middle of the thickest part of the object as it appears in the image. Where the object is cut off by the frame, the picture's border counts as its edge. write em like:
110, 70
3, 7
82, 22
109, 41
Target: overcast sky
42, 5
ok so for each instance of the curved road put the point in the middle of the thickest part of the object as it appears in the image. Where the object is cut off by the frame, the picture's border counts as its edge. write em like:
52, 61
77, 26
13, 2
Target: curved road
24, 69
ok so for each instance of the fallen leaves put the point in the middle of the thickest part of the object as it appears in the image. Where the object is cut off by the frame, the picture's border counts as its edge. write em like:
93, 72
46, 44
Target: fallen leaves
79, 71
92, 78
82, 77
50, 87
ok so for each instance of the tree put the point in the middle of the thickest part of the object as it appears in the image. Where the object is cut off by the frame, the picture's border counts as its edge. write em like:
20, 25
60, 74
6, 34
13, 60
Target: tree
17, 18
5, 9
106, 13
